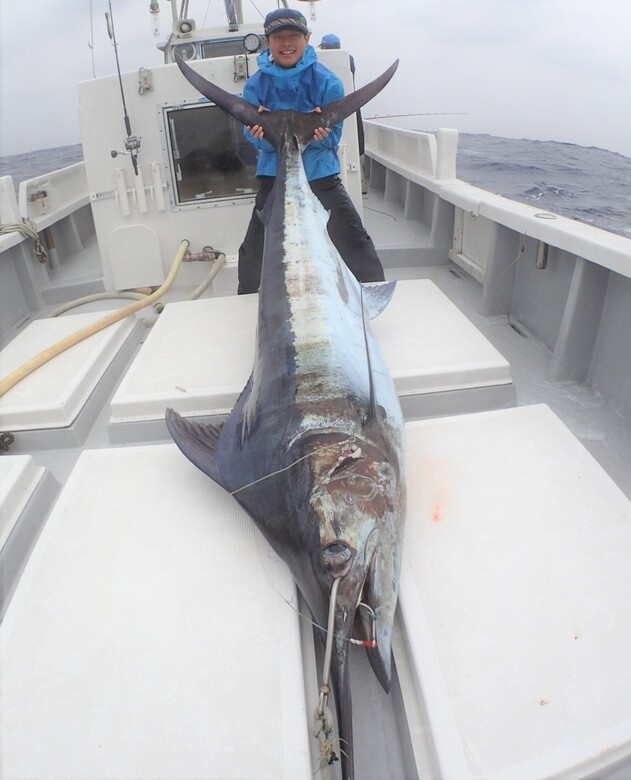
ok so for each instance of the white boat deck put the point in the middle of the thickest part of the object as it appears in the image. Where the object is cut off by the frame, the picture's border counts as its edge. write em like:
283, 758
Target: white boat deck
57, 403
26, 493
154, 632
515, 598
19, 478
79, 275
513, 629
199, 355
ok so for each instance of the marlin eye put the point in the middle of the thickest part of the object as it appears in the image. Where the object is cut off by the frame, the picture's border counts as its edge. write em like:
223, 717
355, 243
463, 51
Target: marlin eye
336, 557
336, 548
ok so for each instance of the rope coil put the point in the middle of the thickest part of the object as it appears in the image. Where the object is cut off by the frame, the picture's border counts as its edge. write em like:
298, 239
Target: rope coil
29, 230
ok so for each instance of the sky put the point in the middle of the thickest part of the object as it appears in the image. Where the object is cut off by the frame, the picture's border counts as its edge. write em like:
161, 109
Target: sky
542, 69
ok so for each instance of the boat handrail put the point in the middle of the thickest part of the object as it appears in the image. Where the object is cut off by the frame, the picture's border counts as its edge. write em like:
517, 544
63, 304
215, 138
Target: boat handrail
409, 150
430, 162
48, 198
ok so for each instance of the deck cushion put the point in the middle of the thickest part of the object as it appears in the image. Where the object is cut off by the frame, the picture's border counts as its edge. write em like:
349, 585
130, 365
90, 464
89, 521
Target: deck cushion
153, 634
516, 596
199, 355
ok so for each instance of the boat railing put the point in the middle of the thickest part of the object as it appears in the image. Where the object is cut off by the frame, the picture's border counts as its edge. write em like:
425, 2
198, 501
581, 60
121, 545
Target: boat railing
411, 165
48, 249
403, 150
9, 213
478, 210
47, 199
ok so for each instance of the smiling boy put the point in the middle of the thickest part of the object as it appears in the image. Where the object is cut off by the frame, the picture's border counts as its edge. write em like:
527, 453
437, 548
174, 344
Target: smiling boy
290, 77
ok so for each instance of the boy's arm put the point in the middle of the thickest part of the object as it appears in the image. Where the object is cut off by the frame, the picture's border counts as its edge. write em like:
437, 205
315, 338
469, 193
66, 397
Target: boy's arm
258, 143
333, 90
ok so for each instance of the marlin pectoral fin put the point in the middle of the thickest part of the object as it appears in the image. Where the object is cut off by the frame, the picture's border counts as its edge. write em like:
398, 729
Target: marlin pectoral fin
198, 441
377, 297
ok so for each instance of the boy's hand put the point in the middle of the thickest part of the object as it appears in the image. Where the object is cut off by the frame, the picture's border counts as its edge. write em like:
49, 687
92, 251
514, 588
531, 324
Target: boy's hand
320, 132
256, 131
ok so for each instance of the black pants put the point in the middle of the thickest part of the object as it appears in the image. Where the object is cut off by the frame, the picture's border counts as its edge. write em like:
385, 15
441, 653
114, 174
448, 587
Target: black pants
344, 226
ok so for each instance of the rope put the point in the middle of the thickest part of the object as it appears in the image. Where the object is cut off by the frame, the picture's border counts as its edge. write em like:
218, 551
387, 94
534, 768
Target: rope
323, 732
322, 718
29, 230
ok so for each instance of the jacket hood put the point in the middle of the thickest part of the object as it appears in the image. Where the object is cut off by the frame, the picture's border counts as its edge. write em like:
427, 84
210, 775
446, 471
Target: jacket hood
269, 66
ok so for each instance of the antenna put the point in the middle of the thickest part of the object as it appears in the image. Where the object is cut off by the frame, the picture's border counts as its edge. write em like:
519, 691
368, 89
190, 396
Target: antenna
132, 142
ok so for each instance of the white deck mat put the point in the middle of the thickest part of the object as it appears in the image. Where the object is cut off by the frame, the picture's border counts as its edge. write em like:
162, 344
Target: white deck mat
199, 355
19, 478
54, 395
149, 636
516, 596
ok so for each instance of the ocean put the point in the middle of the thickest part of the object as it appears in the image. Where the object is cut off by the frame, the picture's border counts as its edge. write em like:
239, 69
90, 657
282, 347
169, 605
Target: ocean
589, 184
585, 183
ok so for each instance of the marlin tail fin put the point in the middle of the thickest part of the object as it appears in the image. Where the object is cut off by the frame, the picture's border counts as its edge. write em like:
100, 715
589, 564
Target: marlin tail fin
275, 122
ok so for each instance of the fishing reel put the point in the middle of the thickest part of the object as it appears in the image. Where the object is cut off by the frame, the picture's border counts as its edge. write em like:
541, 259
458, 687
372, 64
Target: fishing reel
132, 147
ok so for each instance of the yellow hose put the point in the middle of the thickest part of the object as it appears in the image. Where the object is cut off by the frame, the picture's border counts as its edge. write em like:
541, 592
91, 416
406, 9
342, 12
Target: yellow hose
74, 338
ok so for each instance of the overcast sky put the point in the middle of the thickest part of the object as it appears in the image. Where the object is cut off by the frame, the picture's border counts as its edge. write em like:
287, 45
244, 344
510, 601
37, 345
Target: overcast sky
543, 69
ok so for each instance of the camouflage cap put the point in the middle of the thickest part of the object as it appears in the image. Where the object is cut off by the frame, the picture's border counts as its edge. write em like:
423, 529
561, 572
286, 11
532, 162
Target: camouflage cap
283, 18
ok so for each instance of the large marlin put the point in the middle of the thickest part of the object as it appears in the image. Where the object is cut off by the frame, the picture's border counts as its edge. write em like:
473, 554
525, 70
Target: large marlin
313, 448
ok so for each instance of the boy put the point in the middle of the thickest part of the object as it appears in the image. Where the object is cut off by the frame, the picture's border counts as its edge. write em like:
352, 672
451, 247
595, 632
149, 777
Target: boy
290, 77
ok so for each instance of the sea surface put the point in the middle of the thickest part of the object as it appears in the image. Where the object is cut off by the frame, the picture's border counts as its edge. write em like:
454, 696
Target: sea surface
585, 183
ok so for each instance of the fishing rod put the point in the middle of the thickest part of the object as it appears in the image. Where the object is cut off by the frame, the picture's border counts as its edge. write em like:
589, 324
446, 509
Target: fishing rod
429, 113
132, 142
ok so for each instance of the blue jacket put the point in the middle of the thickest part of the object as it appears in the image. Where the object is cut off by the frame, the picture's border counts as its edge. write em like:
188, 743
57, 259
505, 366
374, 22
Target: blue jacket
301, 88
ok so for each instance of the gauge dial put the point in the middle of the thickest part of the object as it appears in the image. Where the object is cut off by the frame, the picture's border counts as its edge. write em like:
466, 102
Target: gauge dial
186, 51
251, 43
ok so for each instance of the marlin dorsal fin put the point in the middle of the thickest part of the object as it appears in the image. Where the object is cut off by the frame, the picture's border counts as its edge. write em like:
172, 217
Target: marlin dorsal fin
372, 400
377, 297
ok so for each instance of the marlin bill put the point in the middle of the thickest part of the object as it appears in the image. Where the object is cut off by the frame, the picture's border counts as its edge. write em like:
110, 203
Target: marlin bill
313, 449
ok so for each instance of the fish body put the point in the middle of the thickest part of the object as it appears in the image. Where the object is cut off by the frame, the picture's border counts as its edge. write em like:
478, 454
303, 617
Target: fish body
313, 449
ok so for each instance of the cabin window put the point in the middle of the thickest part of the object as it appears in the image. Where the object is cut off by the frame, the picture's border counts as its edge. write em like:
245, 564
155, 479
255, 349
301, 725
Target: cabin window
227, 48
209, 156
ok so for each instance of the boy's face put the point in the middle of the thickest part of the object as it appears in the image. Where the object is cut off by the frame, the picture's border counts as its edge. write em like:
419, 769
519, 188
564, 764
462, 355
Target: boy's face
287, 46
